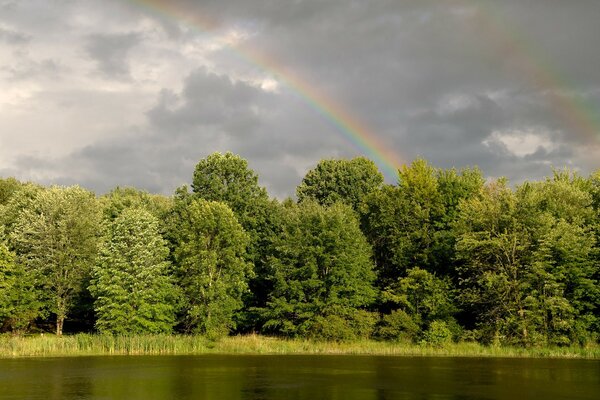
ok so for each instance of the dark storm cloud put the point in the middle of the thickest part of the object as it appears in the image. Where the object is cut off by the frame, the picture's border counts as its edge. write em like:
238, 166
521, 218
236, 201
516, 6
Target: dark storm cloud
207, 99
457, 82
111, 52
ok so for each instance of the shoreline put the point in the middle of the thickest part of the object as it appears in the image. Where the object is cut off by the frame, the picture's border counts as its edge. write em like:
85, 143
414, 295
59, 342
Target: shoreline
105, 345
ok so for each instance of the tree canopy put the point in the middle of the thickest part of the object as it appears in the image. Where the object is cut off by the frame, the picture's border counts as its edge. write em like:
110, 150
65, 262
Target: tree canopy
346, 181
440, 255
130, 283
211, 266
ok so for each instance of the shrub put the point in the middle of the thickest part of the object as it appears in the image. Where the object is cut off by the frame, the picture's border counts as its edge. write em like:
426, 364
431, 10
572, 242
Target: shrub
398, 325
438, 333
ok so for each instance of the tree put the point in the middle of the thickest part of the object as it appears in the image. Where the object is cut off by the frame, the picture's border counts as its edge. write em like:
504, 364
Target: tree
559, 215
56, 240
227, 178
493, 246
347, 181
212, 270
410, 225
8, 187
16, 199
132, 291
423, 296
119, 199
401, 222
19, 303
322, 273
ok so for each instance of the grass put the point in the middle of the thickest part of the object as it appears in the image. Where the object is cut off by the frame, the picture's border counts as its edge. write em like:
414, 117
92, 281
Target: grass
87, 345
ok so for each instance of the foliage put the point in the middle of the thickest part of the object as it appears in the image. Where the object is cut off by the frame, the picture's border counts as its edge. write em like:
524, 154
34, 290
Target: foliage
321, 268
410, 225
422, 295
211, 266
119, 199
227, 178
526, 266
132, 291
441, 255
346, 181
56, 239
438, 333
399, 326
19, 303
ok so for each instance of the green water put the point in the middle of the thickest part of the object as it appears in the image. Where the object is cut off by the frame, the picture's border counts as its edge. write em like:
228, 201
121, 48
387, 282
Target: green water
297, 377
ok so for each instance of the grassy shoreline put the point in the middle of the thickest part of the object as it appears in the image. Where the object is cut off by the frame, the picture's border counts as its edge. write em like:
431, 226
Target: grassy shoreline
94, 345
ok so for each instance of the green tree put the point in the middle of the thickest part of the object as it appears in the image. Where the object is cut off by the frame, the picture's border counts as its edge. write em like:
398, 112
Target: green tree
8, 187
322, 274
211, 266
400, 222
423, 296
19, 303
121, 198
132, 291
493, 247
410, 225
564, 288
56, 240
347, 181
16, 199
228, 179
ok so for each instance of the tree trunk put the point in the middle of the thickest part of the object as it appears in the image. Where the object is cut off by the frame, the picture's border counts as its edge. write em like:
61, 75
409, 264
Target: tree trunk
60, 320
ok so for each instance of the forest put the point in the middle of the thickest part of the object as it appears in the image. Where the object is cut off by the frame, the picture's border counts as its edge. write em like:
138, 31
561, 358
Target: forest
442, 255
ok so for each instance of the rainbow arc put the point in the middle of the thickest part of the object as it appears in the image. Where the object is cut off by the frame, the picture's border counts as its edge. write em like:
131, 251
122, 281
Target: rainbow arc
348, 125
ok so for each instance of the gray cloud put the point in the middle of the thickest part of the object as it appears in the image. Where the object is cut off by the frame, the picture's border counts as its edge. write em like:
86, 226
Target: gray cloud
509, 86
111, 52
13, 37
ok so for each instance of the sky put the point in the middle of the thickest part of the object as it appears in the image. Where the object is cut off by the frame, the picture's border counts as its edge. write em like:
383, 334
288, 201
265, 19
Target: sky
109, 93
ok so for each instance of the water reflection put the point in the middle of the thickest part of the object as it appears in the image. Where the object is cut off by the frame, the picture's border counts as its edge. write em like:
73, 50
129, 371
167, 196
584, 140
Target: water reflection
297, 377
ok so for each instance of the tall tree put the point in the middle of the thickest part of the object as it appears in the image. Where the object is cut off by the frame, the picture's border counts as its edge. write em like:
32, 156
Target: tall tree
56, 239
16, 199
322, 272
560, 218
494, 246
347, 181
8, 187
19, 301
212, 269
121, 198
410, 225
132, 291
227, 178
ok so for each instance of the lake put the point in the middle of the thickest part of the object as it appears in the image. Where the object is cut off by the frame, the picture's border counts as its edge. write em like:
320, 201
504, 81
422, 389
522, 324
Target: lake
297, 377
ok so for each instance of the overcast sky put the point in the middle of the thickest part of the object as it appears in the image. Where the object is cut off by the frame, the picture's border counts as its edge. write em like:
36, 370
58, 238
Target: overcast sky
112, 92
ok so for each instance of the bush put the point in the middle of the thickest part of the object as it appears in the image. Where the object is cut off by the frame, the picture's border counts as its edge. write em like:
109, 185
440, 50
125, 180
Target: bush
438, 333
343, 325
398, 325
331, 327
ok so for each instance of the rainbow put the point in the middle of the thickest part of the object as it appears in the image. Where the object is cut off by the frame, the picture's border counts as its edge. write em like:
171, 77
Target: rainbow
352, 129
581, 117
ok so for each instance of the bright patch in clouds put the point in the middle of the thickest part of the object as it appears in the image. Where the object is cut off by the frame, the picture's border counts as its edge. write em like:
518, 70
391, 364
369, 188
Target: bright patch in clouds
455, 103
521, 143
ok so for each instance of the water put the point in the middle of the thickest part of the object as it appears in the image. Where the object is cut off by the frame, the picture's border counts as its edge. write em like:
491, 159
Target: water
297, 377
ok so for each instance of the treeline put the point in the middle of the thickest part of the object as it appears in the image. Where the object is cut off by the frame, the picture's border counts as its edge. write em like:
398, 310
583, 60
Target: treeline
440, 256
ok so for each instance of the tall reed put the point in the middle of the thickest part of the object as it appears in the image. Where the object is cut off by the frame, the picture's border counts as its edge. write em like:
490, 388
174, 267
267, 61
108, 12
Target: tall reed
86, 344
